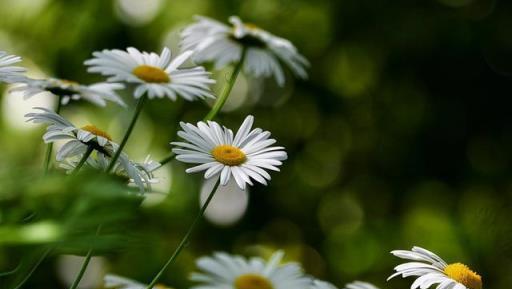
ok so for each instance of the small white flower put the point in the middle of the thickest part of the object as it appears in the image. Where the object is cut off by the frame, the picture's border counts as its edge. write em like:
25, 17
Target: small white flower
156, 75
224, 271
97, 93
318, 284
244, 156
79, 139
431, 269
360, 285
216, 42
9, 73
118, 282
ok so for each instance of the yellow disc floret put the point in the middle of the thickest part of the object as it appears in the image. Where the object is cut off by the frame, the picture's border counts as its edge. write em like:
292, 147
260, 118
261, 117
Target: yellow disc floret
465, 276
252, 281
96, 131
229, 155
151, 74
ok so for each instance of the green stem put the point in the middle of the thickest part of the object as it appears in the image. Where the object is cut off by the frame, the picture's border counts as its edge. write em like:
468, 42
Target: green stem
49, 147
82, 270
167, 159
185, 239
39, 261
85, 264
221, 100
136, 114
83, 159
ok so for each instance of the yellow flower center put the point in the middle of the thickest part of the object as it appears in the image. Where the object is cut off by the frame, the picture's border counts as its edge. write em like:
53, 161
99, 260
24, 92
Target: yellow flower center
96, 131
69, 82
465, 276
229, 155
161, 286
251, 26
252, 281
151, 74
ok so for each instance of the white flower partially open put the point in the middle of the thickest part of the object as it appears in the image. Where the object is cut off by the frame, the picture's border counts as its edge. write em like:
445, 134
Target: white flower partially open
98, 93
221, 44
431, 269
78, 140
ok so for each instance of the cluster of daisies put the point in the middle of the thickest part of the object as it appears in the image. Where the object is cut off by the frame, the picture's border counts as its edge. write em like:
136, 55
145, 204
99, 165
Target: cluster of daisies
225, 271
244, 157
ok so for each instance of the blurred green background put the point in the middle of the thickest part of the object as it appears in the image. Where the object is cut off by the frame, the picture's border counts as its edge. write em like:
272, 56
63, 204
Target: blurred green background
401, 137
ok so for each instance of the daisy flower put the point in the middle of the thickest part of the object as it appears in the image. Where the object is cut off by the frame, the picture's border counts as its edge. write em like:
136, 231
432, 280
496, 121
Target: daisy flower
431, 269
118, 282
224, 271
245, 156
360, 285
78, 140
221, 44
9, 73
140, 174
156, 75
98, 93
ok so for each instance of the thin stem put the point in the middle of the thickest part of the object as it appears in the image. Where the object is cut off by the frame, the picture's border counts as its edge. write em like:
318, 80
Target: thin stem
185, 239
39, 261
167, 159
84, 158
221, 100
85, 264
12, 271
136, 114
49, 147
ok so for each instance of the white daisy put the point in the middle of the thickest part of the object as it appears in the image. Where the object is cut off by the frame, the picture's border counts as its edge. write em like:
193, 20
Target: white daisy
431, 269
360, 285
118, 282
156, 75
140, 174
244, 156
224, 271
97, 93
78, 140
216, 42
9, 73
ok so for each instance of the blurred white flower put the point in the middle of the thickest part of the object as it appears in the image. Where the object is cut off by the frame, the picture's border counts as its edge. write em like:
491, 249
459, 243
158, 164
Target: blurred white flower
431, 269
98, 93
318, 284
118, 282
244, 156
213, 41
224, 271
9, 73
360, 285
156, 75
78, 140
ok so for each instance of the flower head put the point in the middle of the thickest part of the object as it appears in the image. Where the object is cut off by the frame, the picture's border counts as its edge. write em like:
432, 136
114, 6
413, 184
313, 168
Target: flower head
98, 93
77, 140
156, 75
9, 73
245, 156
431, 269
216, 42
224, 271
